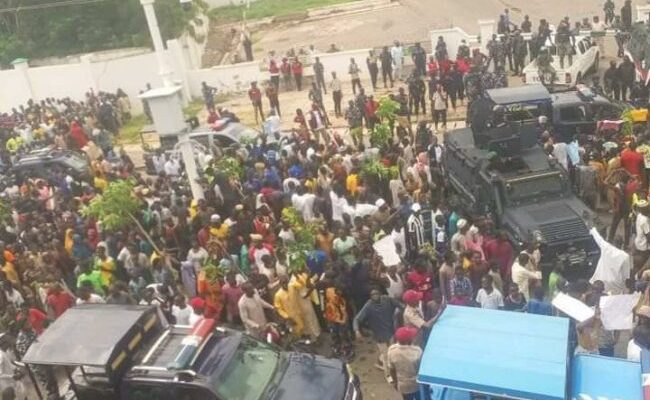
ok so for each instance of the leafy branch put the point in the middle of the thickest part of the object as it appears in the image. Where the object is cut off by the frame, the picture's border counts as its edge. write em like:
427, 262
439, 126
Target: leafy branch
305, 234
116, 208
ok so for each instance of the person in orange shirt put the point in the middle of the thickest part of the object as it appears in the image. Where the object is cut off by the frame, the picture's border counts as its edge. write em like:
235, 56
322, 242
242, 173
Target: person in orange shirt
324, 239
337, 318
209, 288
10, 271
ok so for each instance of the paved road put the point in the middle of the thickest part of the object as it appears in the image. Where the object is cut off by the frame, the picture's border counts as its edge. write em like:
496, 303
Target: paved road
412, 20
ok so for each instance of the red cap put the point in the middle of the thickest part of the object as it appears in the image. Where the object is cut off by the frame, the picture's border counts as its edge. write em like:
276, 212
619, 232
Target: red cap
197, 302
405, 334
411, 296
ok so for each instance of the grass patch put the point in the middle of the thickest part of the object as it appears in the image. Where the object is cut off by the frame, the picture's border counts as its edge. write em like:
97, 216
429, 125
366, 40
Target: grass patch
130, 132
193, 108
268, 8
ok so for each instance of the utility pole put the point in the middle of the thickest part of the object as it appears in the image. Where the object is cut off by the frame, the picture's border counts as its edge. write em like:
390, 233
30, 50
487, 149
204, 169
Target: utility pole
150, 14
185, 144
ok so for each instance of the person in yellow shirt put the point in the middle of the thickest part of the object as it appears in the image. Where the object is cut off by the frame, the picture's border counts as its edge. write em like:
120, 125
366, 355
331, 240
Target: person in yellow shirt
99, 182
217, 228
286, 308
301, 291
10, 271
106, 265
352, 181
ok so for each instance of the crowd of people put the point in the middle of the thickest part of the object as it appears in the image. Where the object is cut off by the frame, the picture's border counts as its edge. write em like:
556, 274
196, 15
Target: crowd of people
286, 235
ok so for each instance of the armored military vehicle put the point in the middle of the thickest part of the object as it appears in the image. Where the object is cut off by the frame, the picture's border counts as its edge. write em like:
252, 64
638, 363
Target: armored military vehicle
498, 169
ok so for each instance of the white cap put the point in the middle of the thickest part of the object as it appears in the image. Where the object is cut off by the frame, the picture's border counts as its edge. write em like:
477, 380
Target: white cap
416, 207
215, 218
380, 202
461, 223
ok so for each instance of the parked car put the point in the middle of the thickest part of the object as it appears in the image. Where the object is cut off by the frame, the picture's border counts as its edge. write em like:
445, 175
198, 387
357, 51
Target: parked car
585, 61
132, 353
42, 162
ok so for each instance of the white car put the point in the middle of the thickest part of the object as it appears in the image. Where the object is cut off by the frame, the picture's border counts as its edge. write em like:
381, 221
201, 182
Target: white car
585, 60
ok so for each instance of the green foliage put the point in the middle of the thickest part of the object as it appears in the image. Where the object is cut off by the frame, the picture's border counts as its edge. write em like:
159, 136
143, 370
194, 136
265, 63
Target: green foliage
380, 135
73, 29
5, 211
387, 110
305, 234
130, 132
193, 109
376, 169
229, 166
627, 129
116, 207
267, 8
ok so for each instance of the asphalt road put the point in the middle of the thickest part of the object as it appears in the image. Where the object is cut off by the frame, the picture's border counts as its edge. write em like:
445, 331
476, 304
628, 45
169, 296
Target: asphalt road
413, 19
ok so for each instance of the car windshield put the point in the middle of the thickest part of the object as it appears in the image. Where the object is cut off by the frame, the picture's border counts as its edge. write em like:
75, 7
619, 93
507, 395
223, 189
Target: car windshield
75, 162
248, 372
528, 188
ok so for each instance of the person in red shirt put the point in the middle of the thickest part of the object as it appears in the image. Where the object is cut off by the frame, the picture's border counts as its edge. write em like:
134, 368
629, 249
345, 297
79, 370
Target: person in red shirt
296, 69
78, 136
255, 95
432, 67
631, 160
58, 300
285, 69
500, 250
35, 317
370, 111
274, 71
421, 281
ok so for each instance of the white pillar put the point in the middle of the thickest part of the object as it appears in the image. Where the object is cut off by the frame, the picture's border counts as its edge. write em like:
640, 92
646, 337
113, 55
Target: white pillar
486, 30
176, 52
150, 13
187, 152
22, 65
642, 12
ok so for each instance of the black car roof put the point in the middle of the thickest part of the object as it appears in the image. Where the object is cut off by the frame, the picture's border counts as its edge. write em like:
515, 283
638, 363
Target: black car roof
91, 335
519, 94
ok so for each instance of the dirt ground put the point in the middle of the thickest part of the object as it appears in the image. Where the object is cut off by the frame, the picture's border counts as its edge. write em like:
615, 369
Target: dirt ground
411, 21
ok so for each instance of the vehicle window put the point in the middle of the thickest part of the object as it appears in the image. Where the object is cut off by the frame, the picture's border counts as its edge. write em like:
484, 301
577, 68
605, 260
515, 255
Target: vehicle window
249, 372
605, 111
141, 391
192, 393
520, 190
523, 112
573, 114
75, 162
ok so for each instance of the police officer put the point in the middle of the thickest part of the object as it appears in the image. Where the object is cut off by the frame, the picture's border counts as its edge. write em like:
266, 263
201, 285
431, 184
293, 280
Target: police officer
609, 7
546, 70
463, 50
519, 51
416, 94
563, 43
493, 50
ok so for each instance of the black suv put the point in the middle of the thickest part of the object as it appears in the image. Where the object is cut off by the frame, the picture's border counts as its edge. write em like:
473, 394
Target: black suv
131, 353
41, 163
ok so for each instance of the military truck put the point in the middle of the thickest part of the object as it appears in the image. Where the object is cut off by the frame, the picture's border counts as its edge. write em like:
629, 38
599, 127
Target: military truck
122, 352
498, 169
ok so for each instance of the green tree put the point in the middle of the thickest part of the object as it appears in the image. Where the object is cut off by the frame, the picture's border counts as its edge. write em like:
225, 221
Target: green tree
118, 208
79, 28
305, 234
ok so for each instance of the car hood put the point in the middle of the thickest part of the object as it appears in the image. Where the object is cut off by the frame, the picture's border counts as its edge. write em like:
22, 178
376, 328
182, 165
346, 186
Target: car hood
310, 377
556, 221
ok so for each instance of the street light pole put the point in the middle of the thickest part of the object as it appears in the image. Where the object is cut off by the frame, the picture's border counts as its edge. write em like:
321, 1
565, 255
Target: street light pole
150, 14
185, 144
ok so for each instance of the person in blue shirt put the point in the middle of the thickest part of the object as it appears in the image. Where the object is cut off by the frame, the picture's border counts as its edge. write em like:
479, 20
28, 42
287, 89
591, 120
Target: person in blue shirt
296, 170
537, 304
